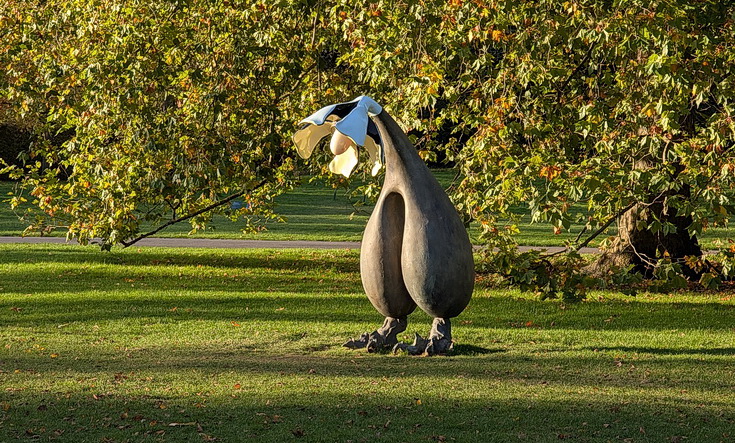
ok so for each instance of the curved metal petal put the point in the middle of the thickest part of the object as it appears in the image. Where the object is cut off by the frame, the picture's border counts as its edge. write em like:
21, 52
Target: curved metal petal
374, 150
373, 108
342, 109
308, 137
354, 125
344, 163
319, 117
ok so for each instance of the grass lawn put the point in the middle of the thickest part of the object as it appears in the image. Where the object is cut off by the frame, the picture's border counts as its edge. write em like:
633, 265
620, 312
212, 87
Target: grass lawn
234, 345
316, 212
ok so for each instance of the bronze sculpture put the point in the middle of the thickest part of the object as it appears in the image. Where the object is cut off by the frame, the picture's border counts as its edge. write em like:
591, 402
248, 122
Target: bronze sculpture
415, 249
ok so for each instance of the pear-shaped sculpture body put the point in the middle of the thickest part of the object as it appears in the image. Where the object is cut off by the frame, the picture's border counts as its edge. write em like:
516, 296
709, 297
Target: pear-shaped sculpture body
415, 249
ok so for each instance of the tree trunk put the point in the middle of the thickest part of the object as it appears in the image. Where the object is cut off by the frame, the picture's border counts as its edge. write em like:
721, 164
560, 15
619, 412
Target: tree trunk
642, 248
638, 246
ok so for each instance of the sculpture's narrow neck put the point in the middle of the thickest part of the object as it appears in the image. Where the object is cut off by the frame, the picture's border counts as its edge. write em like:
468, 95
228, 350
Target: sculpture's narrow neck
397, 147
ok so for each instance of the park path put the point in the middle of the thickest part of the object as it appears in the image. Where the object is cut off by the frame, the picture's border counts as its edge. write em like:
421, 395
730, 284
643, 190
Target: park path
220, 243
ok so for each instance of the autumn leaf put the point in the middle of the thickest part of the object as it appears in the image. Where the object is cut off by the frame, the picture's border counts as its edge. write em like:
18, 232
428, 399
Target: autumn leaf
549, 172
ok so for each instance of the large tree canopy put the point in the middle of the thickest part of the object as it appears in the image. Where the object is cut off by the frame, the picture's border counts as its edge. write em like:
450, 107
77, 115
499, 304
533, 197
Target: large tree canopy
169, 105
612, 105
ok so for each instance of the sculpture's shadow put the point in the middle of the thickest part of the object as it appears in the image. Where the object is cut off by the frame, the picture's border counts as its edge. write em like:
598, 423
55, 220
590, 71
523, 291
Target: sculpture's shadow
457, 350
473, 350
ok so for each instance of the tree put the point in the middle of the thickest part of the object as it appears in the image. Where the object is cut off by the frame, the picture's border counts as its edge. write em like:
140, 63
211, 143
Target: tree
588, 112
173, 107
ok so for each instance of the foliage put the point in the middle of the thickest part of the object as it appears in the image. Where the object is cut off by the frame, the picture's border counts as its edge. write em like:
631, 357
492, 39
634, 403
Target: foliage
603, 103
600, 103
173, 105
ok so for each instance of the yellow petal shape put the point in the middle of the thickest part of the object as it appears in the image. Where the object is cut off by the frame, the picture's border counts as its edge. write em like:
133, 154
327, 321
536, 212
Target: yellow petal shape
306, 139
374, 151
340, 143
344, 163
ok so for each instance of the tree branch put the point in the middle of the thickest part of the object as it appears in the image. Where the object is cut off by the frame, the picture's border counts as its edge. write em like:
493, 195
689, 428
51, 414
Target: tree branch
605, 226
579, 67
216, 204
596, 233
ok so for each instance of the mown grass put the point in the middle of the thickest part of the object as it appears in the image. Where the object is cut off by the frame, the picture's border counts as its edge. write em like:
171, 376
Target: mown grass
236, 345
314, 211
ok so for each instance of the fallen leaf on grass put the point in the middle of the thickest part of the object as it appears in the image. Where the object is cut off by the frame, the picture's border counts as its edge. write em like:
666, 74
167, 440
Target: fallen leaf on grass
298, 432
235, 324
191, 423
16, 309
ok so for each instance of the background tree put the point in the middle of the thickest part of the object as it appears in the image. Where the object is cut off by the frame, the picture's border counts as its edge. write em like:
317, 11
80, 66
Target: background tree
620, 109
173, 107
586, 112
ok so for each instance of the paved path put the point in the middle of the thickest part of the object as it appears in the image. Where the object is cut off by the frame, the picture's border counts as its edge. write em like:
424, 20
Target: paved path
159, 242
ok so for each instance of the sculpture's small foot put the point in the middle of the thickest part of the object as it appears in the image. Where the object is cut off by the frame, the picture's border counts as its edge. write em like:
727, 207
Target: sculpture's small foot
439, 340
418, 346
384, 337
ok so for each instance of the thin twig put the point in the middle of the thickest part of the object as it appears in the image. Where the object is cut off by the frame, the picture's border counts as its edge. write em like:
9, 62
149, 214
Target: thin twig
581, 233
216, 204
581, 64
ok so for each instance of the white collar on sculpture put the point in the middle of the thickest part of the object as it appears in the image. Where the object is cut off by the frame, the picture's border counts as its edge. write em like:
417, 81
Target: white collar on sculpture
351, 127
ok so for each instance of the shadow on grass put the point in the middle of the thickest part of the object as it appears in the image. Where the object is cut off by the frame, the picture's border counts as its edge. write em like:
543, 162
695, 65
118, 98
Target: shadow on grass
554, 369
335, 417
667, 351
314, 300
496, 399
276, 297
473, 350
290, 260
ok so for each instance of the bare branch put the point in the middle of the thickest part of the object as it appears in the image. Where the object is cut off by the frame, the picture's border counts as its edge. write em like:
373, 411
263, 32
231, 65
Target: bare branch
595, 234
216, 204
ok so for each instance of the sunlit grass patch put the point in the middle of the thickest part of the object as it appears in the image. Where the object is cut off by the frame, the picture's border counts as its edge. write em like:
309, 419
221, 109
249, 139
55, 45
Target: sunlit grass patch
178, 345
